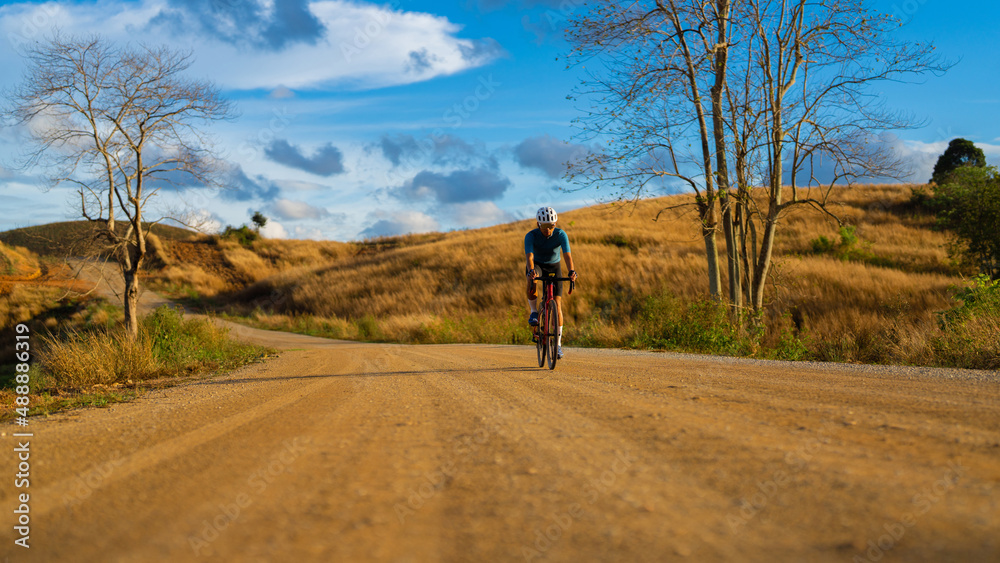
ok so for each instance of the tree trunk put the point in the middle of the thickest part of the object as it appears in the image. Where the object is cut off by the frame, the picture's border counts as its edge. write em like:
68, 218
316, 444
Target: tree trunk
712, 254
720, 58
706, 205
131, 302
763, 267
729, 228
136, 258
748, 242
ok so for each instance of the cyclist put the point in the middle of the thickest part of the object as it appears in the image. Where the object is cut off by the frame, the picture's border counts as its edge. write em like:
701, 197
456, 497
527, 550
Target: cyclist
544, 248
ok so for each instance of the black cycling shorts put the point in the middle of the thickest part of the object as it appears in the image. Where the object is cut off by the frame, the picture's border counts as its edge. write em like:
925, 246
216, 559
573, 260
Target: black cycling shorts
554, 270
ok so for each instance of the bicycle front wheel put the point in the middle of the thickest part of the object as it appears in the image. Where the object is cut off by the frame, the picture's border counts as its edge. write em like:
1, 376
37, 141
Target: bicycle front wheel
541, 342
551, 330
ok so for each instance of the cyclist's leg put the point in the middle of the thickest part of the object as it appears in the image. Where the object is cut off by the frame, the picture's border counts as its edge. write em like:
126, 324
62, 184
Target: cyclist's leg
557, 293
533, 303
556, 270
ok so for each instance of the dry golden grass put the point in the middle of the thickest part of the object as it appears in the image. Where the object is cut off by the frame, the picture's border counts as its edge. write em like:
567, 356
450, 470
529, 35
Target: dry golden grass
247, 264
104, 357
469, 285
21, 295
210, 265
623, 255
194, 277
18, 262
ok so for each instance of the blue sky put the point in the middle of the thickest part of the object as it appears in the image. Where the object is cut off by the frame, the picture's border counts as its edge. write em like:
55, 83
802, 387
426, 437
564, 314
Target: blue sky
361, 119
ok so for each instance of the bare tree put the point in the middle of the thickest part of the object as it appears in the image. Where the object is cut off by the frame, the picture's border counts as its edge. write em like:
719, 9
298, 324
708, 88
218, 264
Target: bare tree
118, 123
802, 99
658, 60
808, 105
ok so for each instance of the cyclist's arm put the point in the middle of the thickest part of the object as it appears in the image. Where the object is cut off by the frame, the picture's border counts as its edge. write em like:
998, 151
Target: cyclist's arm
530, 258
569, 260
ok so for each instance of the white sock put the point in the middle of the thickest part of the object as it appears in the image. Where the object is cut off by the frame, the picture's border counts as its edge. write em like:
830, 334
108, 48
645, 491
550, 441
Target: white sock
559, 337
533, 303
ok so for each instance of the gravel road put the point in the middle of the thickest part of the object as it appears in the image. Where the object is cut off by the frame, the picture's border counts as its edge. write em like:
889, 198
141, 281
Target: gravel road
341, 451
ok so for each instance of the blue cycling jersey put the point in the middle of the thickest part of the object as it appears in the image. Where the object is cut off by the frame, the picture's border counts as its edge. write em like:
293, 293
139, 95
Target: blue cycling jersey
547, 250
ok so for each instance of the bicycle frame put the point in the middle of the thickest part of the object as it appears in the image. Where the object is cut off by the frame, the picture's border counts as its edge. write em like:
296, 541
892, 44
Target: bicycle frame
545, 333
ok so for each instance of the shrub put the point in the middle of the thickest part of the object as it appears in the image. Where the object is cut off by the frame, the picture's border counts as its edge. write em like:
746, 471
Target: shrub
969, 206
849, 249
970, 333
244, 235
103, 356
167, 345
188, 345
368, 329
699, 326
961, 153
822, 245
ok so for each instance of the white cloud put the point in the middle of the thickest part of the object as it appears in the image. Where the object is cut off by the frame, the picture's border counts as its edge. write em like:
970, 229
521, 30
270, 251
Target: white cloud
273, 229
203, 221
923, 156
307, 233
299, 186
476, 214
363, 45
550, 155
291, 209
399, 223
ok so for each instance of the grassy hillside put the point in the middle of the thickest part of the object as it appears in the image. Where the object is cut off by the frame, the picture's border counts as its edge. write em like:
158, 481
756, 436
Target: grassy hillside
79, 353
74, 238
868, 293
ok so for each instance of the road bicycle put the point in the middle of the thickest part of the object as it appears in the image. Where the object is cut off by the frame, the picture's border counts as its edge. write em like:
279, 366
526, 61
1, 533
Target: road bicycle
545, 337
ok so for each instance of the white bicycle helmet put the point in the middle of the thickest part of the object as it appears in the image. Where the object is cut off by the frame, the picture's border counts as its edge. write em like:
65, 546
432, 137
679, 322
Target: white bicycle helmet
546, 215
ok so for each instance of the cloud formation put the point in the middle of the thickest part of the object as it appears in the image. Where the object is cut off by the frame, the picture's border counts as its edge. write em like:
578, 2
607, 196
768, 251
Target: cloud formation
439, 150
294, 210
244, 23
459, 186
240, 187
548, 154
475, 214
273, 229
326, 161
916, 158
921, 157
250, 44
400, 223
203, 221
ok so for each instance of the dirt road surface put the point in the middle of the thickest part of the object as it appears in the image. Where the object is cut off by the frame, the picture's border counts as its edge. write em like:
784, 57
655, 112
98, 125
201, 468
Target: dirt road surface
360, 452
338, 451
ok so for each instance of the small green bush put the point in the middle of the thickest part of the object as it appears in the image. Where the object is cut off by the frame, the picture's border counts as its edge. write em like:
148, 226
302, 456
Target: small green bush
849, 249
822, 245
244, 235
368, 329
193, 344
701, 326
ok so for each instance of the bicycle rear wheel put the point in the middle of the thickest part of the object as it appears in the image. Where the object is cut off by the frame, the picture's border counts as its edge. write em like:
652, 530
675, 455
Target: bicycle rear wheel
553, 341
541, 343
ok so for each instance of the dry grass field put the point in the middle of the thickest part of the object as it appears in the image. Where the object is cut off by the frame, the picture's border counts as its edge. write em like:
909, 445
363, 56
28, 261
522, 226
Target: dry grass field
873, 299
30, 286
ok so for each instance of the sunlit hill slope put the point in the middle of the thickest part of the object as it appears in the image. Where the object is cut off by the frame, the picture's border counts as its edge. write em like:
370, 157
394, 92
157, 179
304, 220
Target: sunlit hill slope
873, 299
